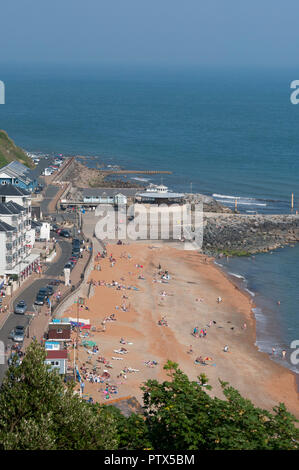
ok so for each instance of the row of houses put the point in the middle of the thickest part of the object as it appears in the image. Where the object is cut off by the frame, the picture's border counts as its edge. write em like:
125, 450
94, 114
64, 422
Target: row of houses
17, 236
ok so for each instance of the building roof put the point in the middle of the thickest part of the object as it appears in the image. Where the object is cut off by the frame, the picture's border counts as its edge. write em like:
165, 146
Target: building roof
54, 328
157, 195
16, 206
109, 192
127, 405
11, 208
16, 169
11, 190
59, 354
65, 335
4, 227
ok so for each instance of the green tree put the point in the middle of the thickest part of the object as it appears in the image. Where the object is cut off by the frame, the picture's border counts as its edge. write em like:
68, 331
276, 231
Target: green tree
180, 415
39, 411
132, 431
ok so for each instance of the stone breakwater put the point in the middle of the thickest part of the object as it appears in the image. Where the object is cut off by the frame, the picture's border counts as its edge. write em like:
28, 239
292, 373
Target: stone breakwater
239, 234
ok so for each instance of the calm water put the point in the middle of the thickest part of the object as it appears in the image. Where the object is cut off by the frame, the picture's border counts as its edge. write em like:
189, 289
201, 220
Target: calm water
228, 132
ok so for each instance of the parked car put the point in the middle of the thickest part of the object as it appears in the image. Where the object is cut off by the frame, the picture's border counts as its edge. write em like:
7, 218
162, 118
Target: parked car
13, 356
21, 307
17, 334
43, 291
65, 233
50, 290
40, 300
74, 259
68, 266
55, 282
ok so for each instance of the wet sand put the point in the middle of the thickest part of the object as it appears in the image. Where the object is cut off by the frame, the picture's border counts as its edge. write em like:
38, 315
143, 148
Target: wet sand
190, 300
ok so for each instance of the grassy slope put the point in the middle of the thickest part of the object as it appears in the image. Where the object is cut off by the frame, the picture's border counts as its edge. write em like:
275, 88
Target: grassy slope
10, 152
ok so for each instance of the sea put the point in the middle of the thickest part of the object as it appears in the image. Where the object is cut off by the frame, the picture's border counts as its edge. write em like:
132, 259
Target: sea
227, 132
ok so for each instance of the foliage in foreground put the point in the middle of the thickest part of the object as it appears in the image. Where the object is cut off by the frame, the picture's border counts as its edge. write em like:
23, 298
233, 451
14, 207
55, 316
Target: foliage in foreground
38, 411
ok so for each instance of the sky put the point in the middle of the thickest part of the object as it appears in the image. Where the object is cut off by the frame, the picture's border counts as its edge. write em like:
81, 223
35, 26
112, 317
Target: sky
167, 32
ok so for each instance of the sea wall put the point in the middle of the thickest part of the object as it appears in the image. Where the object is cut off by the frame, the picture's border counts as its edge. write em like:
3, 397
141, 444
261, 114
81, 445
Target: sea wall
239, 234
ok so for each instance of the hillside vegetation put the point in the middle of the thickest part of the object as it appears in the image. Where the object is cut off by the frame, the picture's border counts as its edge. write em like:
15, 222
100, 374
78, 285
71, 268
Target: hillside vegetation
10, 152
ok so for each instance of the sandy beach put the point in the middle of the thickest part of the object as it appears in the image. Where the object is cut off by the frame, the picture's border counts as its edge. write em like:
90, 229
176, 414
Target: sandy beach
187, 300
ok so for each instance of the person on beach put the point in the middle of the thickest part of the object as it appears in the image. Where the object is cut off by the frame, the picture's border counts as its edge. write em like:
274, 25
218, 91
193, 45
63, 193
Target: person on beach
273, 351
225, 349
190, 349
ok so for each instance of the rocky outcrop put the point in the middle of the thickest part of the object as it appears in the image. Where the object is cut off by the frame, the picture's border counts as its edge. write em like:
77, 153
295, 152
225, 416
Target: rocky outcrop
209, 204
238, 234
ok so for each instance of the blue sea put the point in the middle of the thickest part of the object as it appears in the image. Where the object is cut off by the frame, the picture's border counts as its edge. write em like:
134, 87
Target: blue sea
223, 132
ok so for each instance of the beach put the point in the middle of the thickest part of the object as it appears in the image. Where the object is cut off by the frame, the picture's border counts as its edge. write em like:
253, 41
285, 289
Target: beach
129, 288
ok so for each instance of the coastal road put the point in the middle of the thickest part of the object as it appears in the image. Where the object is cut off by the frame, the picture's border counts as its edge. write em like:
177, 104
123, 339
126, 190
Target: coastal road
50, 193
29, 295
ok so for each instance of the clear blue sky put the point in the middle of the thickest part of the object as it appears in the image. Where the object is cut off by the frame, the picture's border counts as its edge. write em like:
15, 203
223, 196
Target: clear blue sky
197, 32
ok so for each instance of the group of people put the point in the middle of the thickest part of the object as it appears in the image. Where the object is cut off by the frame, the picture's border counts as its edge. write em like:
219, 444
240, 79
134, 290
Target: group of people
199, 334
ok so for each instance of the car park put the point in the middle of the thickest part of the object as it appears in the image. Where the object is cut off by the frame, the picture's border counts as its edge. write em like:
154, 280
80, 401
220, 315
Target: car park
21, 307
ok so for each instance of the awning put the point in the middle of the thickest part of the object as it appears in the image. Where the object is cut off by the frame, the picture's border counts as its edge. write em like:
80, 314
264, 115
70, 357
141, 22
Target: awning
20, 267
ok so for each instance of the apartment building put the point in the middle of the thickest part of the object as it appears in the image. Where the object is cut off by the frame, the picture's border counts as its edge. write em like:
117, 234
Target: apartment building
16, 233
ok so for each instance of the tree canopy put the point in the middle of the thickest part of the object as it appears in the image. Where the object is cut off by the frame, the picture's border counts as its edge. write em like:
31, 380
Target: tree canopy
39, 411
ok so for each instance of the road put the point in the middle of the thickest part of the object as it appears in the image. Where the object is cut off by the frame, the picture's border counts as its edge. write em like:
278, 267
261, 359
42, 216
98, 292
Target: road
54, 270
29, 295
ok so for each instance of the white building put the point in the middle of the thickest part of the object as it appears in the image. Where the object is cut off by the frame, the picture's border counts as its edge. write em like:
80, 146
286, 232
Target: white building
16, 232
115, 196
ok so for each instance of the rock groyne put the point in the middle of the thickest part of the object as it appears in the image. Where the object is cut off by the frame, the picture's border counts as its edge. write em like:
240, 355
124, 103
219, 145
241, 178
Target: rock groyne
239, 234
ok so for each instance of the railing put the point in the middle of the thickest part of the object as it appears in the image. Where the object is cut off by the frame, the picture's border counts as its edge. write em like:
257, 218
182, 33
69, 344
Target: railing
74, 287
